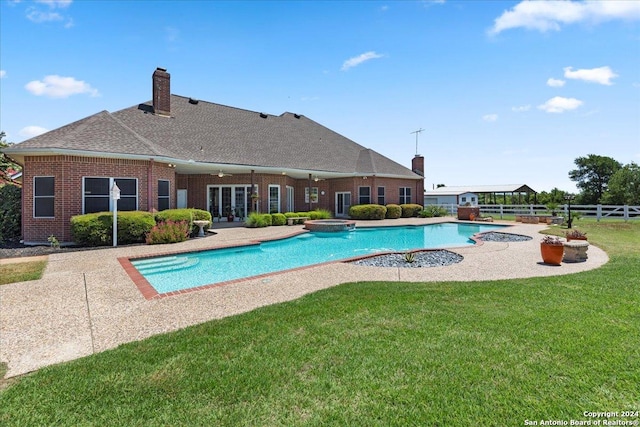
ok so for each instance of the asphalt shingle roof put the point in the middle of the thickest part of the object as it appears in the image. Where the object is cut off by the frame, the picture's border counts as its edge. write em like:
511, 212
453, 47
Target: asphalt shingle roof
212, 133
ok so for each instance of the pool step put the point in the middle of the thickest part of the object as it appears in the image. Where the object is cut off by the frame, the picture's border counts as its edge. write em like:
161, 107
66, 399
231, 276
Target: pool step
164, 264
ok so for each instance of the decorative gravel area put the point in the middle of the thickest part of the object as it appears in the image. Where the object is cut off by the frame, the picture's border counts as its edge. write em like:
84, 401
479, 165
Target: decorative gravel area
438, 258
494, 236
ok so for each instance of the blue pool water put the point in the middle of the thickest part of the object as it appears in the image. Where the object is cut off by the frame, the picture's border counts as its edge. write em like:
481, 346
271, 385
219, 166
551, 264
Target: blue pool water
189, 270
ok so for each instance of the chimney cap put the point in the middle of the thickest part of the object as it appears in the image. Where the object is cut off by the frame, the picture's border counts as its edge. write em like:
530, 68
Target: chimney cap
161, 69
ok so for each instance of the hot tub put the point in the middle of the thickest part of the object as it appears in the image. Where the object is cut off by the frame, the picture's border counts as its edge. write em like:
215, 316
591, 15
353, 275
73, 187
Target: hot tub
329, 225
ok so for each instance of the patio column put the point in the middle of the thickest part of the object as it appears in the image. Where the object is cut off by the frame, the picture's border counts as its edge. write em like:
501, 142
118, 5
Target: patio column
309, 192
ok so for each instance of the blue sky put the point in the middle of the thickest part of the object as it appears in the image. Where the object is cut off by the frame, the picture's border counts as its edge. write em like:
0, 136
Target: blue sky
506, 92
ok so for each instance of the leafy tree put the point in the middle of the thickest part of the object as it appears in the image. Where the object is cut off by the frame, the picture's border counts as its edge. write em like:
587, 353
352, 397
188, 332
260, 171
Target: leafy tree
624, 186
6, 164
555, 197
592, 176
10, 208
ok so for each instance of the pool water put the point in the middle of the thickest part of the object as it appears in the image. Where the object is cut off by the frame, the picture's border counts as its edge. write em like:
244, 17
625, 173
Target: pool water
189, 270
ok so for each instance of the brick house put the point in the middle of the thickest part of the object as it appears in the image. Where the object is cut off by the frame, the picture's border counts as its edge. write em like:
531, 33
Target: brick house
176, 151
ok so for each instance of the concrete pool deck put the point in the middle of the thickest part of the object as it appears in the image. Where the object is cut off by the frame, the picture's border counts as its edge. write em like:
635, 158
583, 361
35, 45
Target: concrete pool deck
86, 303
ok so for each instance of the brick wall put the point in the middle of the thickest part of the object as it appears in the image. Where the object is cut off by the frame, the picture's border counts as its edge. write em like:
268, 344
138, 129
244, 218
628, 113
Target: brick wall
68, 172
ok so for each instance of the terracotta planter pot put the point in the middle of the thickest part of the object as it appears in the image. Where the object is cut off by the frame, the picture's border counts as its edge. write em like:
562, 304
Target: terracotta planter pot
552, 254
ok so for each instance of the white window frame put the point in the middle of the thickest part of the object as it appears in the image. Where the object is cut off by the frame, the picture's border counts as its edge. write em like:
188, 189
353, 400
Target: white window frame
314, 194
110, 185
277, 199
168, 196
384, 195
35, 197
366, 197
404, 198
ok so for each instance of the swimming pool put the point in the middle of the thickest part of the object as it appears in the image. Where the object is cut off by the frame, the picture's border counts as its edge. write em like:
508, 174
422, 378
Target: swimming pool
194, 269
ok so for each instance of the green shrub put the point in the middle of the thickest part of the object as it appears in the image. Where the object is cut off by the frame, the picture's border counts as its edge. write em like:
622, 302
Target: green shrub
319, 214
133, 226
278, 219
433, 211
10, 212
410, 210
393, 211
168, 232
185, 214
255, 220
367, 211
175, 215
96, 229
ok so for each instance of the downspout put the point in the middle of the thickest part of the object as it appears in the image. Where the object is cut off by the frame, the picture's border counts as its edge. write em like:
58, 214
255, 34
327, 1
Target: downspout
150, 186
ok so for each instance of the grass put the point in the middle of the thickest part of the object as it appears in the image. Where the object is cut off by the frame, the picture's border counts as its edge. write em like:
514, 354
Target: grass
375, 353
21, 271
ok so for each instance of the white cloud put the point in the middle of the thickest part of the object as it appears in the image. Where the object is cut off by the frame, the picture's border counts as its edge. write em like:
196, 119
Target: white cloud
559, 104
551, 15
31, 131
38, 16
602, 75
521, 108
555, 82
3, 74
56, 3
490, 117
357, 60
55, 86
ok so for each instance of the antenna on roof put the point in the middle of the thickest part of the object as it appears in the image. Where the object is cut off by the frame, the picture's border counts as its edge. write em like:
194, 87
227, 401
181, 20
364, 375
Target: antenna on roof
417, 132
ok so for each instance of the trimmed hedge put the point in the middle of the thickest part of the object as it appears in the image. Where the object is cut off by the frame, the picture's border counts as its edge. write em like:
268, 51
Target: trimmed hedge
393, 211
10, 212
410, 210
96, 229
367, 211
133, 226
278, 219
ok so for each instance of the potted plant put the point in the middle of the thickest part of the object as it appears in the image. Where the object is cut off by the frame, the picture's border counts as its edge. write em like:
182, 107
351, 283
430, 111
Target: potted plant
575, 235
552, 250
229, 213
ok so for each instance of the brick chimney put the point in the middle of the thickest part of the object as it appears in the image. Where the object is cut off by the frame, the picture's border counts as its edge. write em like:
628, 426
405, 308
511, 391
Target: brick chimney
161, 92
417, 164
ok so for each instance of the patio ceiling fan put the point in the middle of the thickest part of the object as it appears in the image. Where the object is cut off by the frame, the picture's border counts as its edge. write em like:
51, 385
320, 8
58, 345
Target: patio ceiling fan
221, 174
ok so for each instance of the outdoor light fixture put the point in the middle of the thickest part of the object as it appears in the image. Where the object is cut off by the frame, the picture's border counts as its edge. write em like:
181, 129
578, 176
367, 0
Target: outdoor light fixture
569, 198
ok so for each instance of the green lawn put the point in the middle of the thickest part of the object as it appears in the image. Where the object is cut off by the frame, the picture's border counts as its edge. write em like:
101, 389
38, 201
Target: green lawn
490, 353
21, 271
